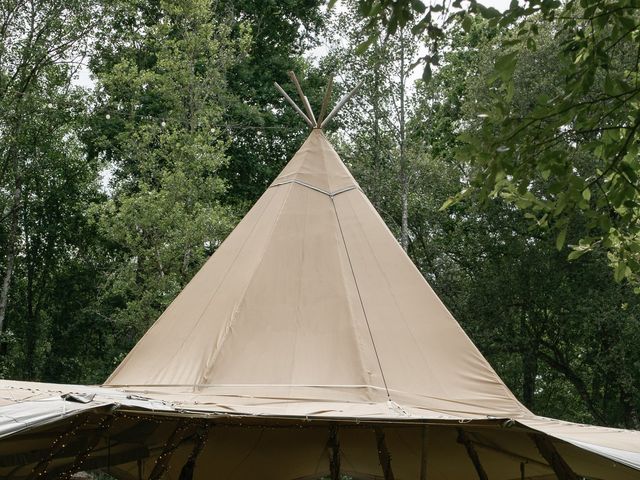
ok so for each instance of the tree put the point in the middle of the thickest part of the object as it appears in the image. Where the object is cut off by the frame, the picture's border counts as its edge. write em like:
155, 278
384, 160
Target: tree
44, 183
377, 143
261, 130
595, 110
549, 326
161, 86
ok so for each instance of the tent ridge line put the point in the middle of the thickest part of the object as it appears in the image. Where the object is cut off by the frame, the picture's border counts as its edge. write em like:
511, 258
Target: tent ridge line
317, 189
364, 310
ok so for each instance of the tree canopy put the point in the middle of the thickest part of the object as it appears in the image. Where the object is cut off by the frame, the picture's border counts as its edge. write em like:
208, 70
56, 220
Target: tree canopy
578, 139
501, 148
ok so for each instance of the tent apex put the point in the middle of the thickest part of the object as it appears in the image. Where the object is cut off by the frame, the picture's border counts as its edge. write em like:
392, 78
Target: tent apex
307, 115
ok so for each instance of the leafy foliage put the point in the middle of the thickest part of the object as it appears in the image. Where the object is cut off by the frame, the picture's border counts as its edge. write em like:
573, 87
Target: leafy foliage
262, 131
156, 125
124, 192
593, 110
111, 199
45, 182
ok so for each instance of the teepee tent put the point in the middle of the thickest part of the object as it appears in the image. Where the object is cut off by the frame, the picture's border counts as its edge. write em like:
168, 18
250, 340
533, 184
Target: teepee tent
308, 345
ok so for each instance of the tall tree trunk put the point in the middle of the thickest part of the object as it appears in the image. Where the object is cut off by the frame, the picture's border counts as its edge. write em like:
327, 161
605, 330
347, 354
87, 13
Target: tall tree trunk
378, 180
11, 242
31, 323
404, 174
529, 353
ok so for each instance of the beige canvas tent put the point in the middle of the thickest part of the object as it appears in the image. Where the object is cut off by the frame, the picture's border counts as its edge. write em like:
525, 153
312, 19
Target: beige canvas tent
308, 345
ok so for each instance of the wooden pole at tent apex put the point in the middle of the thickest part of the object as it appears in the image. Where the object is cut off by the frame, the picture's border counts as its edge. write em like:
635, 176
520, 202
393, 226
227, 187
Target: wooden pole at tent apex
340, 104
293, 104
309, 117
325, 101
303, 97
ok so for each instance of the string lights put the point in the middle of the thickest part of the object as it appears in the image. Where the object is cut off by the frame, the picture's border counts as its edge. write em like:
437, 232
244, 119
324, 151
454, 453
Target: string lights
60, 442
103, 425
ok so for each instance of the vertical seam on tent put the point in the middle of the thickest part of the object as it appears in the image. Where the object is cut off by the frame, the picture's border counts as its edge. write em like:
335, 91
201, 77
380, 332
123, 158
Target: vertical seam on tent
402, 317
496, 378
364, 310
360, 337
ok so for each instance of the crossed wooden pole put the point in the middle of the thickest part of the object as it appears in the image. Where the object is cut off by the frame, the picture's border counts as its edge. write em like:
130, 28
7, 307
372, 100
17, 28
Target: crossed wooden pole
309, 117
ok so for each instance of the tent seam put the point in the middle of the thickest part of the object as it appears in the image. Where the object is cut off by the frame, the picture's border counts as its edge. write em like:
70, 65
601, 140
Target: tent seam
317, 189
364, 311
402, 317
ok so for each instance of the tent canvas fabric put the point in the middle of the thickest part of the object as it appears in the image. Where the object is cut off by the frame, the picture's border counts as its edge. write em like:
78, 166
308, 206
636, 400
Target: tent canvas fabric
312, 298
308, 332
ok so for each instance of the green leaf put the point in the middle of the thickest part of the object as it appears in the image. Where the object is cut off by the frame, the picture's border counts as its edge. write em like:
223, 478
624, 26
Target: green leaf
447, 204
418, 6
574, 255
360, 49
561, 238
467, 23
620, 271
506, 64
488, 12
426, 74
610, 87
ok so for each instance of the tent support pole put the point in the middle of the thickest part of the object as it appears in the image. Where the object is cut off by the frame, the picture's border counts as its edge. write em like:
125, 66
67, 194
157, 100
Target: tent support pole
189, 467
340, 104
423, 456
384, 457
334, 453
293, 104
303, 97
507, 453
162, 462
473, 455
325, 102
548, 451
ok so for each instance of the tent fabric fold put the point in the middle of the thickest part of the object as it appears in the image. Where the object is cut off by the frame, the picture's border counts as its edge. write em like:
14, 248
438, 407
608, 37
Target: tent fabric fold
308, 323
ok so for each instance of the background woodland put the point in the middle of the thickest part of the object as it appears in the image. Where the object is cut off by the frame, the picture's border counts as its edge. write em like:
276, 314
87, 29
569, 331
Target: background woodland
500, 148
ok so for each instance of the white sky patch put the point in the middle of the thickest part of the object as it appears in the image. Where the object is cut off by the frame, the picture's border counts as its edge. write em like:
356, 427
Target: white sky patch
83, 77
